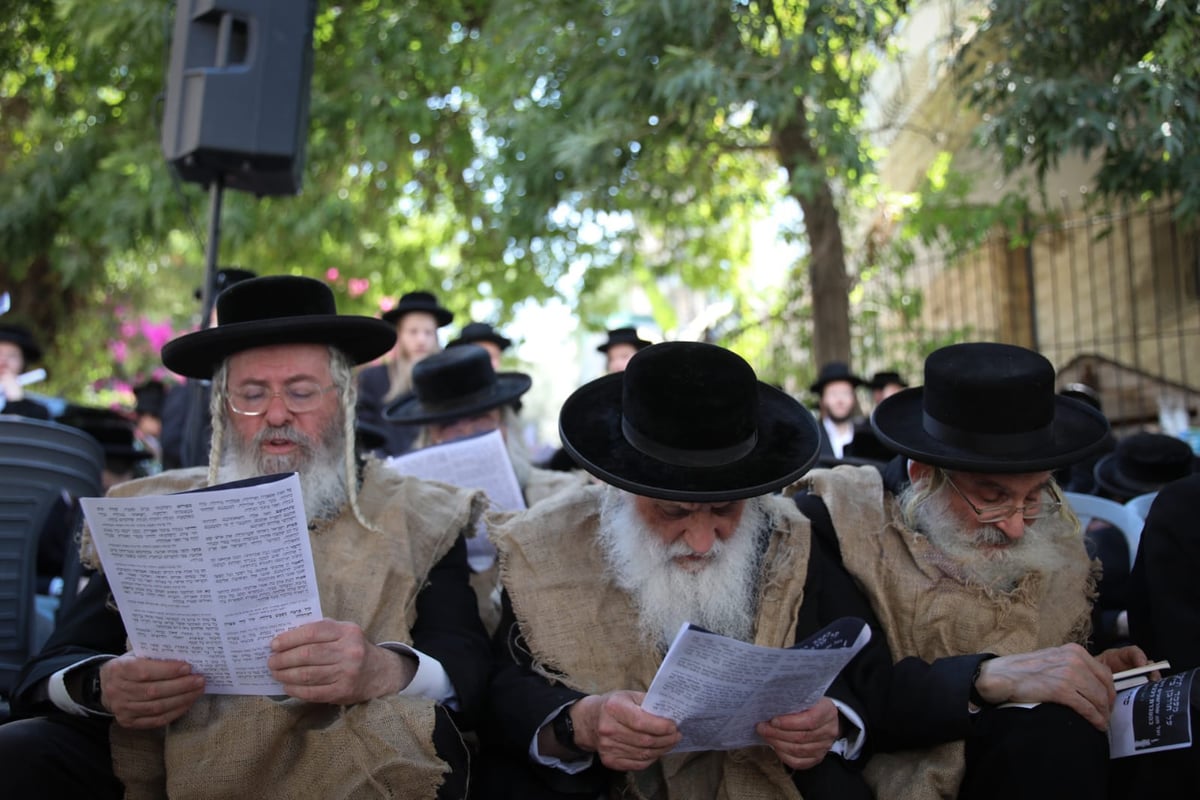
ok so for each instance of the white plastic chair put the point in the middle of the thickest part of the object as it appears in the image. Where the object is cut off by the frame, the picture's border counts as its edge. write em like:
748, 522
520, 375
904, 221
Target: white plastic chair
1140, 505
1124, 518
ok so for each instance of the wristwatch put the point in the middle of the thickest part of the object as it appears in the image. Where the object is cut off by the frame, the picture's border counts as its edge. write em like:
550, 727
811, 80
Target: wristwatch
564, 731
976, 698
90, 687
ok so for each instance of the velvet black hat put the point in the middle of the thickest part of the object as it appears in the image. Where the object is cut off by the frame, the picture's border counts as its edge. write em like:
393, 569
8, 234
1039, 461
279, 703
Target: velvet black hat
276, 309
1144, 462
150, 397
881, 379
988, 407
418, 301
110, 428
456, 383
623, 336
22, 338
833, 372
689, 422
474, 332
226, 277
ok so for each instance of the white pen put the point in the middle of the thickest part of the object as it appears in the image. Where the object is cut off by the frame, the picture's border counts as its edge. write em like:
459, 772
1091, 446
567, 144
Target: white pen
33, 376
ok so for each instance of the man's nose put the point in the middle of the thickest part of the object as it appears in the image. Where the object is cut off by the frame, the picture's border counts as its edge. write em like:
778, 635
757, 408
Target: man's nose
700, 537
277, 411
1013, 526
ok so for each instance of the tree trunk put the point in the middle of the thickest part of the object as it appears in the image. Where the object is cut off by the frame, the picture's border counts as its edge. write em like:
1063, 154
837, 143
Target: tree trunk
827, 272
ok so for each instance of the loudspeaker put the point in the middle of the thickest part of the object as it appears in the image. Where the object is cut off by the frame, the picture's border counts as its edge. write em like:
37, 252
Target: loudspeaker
237, 93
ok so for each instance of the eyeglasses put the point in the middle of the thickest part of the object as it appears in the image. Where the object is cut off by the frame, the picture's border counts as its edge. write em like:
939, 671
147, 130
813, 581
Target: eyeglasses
299, 398
1048, 504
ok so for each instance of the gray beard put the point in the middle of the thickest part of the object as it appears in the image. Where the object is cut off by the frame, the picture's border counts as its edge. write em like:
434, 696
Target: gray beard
319, 463
999, 570
721, 597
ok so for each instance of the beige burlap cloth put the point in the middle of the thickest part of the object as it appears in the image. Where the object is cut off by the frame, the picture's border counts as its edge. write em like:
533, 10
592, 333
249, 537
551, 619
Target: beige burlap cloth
582, 631
239, 747
930, 610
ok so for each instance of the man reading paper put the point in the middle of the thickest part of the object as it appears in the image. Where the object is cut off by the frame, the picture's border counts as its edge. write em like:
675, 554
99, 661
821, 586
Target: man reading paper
598, 581
369, 689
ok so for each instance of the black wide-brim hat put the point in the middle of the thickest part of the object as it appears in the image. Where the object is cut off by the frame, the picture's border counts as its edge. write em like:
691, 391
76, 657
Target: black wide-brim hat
1143, 463
114, 431
474, 332
274, 310
623, 336
418, 301
455, 383
689, 422
990, 408
881, 380
833, 372
22, 338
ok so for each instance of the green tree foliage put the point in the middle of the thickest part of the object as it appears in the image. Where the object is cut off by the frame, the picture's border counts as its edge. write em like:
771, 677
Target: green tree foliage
497, 149
1116, 78
678, 112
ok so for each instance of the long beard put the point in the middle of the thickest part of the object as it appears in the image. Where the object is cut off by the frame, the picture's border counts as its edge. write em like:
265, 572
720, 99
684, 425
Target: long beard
974, 547
722, 596
319, 462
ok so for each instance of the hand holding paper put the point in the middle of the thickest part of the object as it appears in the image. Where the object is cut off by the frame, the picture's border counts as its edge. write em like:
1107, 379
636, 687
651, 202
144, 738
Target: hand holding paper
146, 693
719, 689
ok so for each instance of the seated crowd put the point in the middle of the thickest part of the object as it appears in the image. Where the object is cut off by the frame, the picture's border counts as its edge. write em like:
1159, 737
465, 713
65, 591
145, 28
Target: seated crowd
466, 653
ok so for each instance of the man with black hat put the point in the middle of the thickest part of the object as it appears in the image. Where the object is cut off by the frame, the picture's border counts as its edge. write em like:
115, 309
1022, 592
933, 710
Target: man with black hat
687, 528
837, 406
457, 394
885, 384
17, 351
620, 346
964, 546
487, 337
369, 687
416, 317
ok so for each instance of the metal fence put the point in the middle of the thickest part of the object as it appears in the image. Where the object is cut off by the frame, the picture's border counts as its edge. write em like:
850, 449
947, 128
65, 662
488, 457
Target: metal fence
1113, 302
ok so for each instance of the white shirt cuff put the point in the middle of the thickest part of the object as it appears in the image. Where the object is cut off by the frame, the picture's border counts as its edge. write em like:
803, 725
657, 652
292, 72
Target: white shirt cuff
430, 680
569, 767
850, 746
56, 689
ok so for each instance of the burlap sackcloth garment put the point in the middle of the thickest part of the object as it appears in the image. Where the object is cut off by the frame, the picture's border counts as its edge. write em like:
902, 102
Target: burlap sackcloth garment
930, 609
540, 485
230, 746
582, 632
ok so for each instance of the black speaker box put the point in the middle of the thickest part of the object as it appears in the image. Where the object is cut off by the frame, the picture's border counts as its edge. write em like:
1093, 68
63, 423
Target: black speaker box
237, 93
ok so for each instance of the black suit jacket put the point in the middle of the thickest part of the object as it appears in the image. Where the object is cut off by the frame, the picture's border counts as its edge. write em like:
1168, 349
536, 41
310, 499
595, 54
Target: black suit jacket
1164, 593
373, 383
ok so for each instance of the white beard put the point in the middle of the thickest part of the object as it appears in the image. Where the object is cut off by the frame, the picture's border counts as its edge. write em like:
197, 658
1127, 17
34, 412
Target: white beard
722, 596
320, 464
998, 569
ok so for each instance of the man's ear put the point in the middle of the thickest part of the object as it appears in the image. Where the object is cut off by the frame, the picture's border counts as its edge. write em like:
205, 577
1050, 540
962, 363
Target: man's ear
919, 473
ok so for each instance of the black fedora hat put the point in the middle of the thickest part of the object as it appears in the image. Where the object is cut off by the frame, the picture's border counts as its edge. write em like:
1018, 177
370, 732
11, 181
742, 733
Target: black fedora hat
988, 407
22, 338
886, 378
1144, 462
418, 301
833, 372
689, 422
113, 430
474, 332
150, 397
276, 309
623, 336
456, 383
